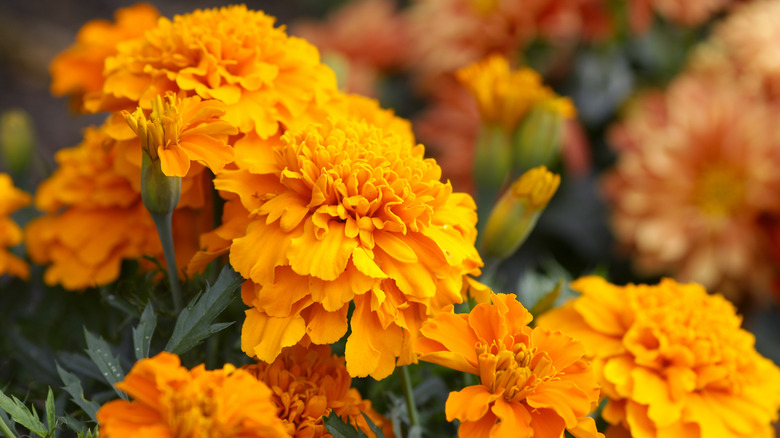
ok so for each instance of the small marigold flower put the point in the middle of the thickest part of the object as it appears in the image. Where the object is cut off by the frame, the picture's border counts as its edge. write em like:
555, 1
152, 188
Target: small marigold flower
517, 211
310, 383
78, 70
231, 54
672, 360
687, 192
506, 96
348, 212
533, 382
11, 199
182, 130
172, 401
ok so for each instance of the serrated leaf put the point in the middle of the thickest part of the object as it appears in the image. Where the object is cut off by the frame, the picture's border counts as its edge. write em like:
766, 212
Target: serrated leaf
51, 415
7, 426
100, 352
194, 323
73, 387
20, 414
339, 429
74, 424
79, 363
374, 428
142, 335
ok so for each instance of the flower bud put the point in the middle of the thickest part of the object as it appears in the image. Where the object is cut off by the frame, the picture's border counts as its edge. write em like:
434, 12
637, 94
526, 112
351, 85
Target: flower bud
516, 213
537, 140
17, 140
159, 192
492, 163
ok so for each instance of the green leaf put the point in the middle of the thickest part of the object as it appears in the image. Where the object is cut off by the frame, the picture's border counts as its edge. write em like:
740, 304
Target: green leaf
100, 352
548, 300
339, 429
142, 335
374, 428
73, 387
20, 414
7, 426
51, 415
195, 321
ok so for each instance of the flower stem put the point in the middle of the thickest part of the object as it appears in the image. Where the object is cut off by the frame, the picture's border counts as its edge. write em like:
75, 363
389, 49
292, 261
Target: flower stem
163, 222
406, 385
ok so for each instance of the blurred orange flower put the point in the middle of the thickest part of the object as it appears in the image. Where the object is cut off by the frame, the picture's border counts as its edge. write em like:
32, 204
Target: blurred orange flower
78, 70
230, 54
95, 218
310, 383
672, 360
696, 170
11, 199
533, 382
348, 212
685, 12
180, 130
172, 401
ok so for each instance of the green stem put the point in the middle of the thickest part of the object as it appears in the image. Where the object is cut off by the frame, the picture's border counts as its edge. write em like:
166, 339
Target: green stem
406, 385
163, 222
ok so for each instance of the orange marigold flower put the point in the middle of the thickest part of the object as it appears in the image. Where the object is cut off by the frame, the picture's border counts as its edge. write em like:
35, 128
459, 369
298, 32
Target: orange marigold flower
78, 70
533, 382
172, 401
180, 130
310, 383
348, 212
230, 54
95, 218
672, 360
11, 199
695, 172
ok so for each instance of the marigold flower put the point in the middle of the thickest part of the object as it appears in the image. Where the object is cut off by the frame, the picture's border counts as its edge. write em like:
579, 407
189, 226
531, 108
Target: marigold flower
11, 199
505, 96
348, 212
231, 54
696, 170
533, 382
78, 70
172, 401
180, 130
95, 218
310, 383
672, 360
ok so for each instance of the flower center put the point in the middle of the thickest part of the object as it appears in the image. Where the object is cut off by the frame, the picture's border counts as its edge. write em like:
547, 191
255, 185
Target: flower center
193, 414
516, 372
719, 191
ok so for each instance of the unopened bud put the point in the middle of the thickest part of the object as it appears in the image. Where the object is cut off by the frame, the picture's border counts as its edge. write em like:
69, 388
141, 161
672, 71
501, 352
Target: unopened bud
492, 163
17, 140
159, 192
516, 213
538, 139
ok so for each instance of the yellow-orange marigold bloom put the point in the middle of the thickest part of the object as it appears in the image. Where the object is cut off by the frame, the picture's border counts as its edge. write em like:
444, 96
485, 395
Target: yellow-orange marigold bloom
11, 199
310, 383
505, 96
182, 130
95, 217
78, 70
172, 401
696, 170
348, 212
533, 382
231, 54
672, 360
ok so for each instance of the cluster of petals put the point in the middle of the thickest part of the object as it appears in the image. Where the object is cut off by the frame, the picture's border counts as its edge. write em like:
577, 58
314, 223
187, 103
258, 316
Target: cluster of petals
231, 54
310, 383
532, 382
346, 211
11, 199
78, 70
171, 401
696, 171
94, 217
672, 360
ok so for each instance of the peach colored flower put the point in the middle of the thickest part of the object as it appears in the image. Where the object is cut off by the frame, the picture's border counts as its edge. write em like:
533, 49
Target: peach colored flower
672, 360
11, 199
696, 170
172, 401
533, 382
685, 12
348, 212
232, 54
310, 383
78, 70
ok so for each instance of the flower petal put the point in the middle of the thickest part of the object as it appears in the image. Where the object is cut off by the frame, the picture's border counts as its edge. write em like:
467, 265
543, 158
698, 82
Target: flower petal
469, 404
